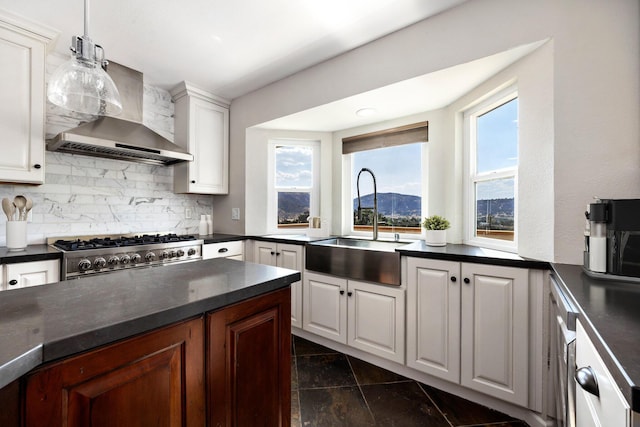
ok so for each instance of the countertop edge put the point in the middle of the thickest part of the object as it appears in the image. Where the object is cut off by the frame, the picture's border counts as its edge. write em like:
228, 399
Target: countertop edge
476, 259
20, 365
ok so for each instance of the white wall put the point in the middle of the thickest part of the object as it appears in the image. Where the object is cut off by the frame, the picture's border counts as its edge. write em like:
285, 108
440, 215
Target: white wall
595, 92
533, 77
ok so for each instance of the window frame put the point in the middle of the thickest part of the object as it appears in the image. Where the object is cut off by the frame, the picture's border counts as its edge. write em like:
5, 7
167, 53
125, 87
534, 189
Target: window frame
472, 178
272, 190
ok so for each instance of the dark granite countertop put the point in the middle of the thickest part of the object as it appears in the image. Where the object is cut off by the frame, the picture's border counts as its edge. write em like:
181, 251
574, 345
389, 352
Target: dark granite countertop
44, 323
220, 238
465, 253
31, 253
610, 314
296, 239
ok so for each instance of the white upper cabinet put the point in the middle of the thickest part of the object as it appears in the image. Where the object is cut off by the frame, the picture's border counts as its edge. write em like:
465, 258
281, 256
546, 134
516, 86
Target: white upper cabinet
202, 128
23, 49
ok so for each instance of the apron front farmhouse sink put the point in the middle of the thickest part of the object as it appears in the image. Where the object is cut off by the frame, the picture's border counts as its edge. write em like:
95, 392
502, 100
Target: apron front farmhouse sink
359, 259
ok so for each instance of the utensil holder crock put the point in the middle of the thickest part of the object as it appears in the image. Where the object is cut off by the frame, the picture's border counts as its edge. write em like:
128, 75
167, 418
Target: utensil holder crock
16, 235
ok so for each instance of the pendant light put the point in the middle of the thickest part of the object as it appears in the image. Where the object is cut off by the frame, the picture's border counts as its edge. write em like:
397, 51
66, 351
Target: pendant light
82, 84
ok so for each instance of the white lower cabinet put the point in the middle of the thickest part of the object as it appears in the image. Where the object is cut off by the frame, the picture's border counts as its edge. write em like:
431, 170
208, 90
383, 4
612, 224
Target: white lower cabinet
25, 274
364, 315
468, 323
286, 256
609, 407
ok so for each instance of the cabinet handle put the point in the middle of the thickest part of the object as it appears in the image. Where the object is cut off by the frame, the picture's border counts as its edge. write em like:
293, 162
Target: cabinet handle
223, 250
277, 253
466, 280
273, 253
341, 292
349, 293
13, 282
193, 181
586, 377
453, 279
37, 166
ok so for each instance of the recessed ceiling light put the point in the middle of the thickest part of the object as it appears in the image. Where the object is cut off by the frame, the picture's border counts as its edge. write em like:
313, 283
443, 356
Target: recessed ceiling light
364, 112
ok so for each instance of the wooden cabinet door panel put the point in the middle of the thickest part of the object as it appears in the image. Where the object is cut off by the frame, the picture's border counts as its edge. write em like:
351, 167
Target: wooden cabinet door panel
249, 362
154, 379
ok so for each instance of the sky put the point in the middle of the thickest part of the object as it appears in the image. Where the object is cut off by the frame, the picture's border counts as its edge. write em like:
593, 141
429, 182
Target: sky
397, 170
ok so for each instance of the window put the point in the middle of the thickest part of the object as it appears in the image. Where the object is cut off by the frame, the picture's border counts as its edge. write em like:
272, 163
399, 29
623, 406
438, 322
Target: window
293, 175
491, 131
398, 171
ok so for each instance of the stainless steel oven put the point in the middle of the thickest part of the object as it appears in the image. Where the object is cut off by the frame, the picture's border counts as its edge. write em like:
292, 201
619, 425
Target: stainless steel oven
562, 325
87, 256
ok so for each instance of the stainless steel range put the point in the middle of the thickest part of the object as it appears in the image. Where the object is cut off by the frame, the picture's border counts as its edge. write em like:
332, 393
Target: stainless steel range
87, 256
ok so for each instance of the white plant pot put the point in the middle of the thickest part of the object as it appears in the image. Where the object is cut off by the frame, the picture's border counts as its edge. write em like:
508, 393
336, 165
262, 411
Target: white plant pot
435, 237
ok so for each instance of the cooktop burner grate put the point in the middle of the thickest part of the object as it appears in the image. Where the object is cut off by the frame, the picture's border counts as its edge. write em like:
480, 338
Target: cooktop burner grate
109, 242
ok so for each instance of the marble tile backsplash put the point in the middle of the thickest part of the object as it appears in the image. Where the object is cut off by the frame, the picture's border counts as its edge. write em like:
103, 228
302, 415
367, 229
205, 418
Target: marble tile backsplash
87, 195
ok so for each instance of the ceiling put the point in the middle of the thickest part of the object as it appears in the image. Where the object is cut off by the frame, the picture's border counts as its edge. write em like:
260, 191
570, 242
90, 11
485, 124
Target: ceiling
424, 93
227, 47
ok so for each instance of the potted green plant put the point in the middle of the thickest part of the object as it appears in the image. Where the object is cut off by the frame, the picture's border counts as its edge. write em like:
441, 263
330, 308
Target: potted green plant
435, 230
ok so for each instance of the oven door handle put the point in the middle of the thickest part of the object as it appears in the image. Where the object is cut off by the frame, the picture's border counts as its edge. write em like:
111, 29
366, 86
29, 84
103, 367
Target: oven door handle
586, 377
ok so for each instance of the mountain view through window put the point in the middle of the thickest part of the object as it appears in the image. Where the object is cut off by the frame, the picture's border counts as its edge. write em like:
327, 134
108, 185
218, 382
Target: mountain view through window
398, 172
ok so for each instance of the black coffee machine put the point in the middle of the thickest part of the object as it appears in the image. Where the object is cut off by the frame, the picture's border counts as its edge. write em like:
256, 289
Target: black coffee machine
613, 246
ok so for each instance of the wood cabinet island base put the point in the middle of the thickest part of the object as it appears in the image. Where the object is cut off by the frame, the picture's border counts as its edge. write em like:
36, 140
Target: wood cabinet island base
229, 368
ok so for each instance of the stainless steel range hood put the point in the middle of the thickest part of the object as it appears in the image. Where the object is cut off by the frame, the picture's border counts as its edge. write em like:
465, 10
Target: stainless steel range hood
124, 137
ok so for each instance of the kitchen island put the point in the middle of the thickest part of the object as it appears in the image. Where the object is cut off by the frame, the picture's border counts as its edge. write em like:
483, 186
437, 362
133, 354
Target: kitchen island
51, 327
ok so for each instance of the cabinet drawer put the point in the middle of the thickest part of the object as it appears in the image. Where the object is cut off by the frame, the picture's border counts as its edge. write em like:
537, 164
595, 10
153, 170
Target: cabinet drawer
609, 408
223, 250
34, 273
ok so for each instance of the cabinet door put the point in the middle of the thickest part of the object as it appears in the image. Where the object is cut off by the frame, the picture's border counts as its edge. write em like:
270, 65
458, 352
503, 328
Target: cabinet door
202, 128
325, 306
208, 130
296, 304
289, 256
22, 65
249, 362
495, 340
25, 274
433, 317
264, 253
376, 319
610, 408
154, 379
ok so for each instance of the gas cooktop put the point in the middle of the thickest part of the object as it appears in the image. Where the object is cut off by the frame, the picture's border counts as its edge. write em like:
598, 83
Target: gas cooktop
119, 241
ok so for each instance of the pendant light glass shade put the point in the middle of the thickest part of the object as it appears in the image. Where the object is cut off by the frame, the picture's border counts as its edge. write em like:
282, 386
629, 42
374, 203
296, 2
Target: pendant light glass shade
84, 87
82, 84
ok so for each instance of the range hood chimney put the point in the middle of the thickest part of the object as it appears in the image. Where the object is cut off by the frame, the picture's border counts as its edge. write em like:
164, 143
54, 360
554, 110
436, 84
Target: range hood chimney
124, 137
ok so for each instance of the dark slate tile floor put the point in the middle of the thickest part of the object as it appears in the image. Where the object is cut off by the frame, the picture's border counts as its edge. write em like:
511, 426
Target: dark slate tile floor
332, 389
